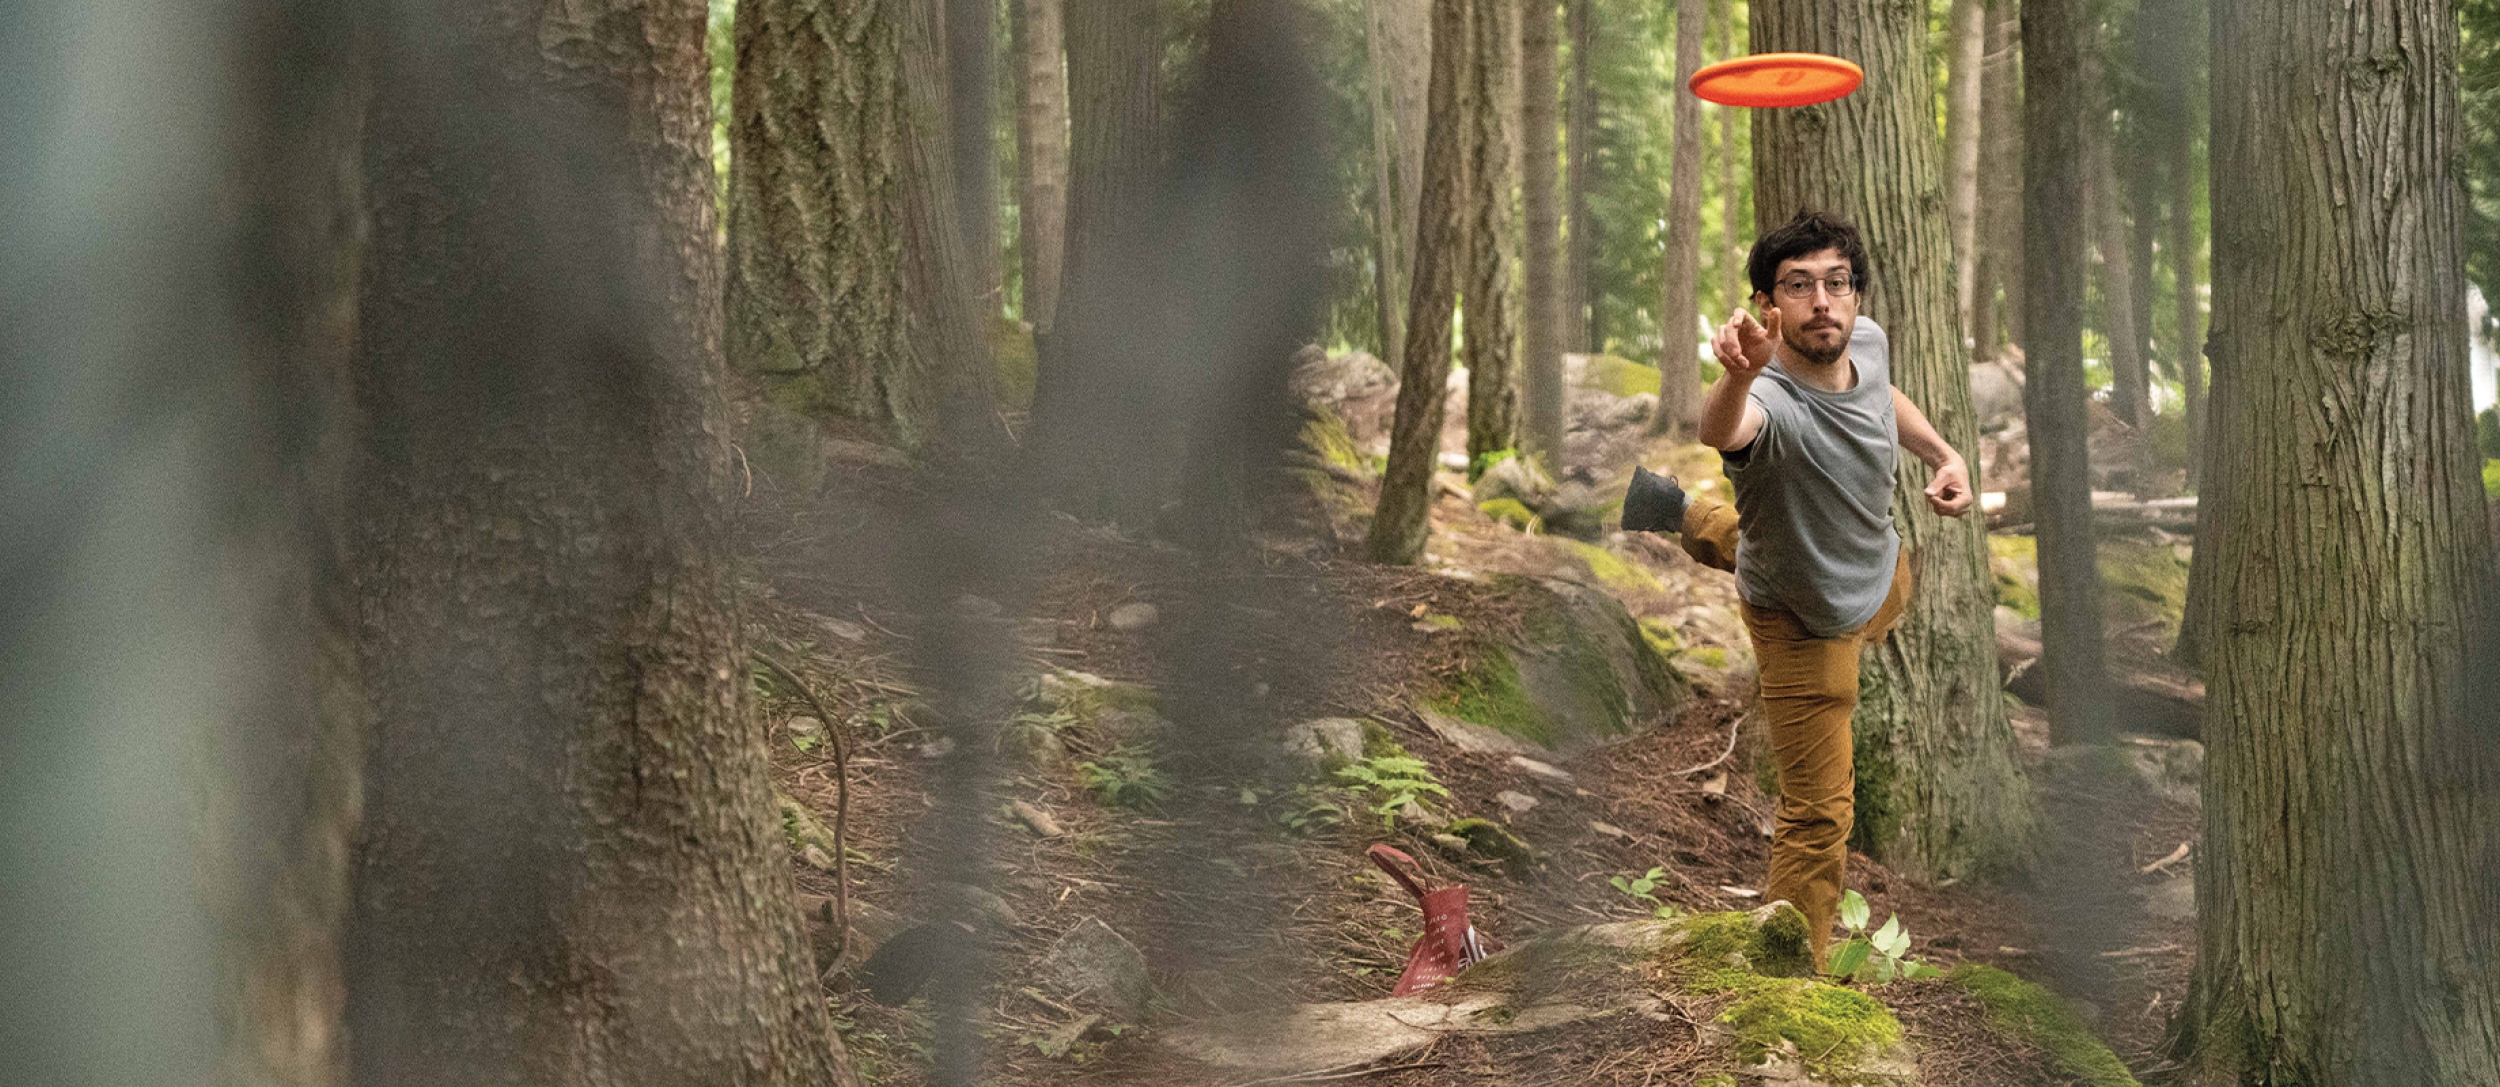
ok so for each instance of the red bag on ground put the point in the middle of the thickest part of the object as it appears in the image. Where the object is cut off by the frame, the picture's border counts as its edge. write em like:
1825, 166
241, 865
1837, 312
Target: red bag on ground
1449, 944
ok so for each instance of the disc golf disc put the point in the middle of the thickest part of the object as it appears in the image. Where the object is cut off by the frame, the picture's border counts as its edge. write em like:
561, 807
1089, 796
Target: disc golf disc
1777, 79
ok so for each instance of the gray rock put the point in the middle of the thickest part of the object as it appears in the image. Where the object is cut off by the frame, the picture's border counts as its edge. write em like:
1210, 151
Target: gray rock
1515, 478
1544, 770
1471, 737
1099, 966
1514, 802
2173, 769
1315, 1038
1996, 395
1325, 743
1133, 616
1320, 378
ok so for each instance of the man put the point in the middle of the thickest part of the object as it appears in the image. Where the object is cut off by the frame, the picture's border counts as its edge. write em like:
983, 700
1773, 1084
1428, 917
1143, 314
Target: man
1807, 421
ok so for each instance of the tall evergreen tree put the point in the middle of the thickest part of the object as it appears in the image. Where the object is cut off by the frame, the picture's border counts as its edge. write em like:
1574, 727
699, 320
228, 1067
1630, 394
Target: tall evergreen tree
569, 870
1967, 34
1679, 302
1997, 293
1937, 786
1041, 156
2347, 894
1490, 284
1580, 332
1402, 521
1397, 32
2105, 207
1540, 340
2055, 177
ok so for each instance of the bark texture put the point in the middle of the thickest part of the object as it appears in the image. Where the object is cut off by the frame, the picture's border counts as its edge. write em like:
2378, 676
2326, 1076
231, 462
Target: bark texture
2106, 210
1491, 283
1540, 340
1042, 157
1679, 299
845, 290
1734, 243
1997, 296
570, 872
1966, 32
2346, 899
1399, 42
2055, 162
1402, 521
1938, 790
1580, 331
971, 92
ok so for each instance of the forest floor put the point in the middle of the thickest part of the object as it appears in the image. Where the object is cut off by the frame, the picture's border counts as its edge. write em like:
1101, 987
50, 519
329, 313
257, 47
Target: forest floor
1291, 912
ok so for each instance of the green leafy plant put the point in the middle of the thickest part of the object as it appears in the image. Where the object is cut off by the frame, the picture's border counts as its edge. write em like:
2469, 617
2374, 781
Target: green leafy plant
1308, 809
1125, 777
1877, 957
1641, 889
1394, 781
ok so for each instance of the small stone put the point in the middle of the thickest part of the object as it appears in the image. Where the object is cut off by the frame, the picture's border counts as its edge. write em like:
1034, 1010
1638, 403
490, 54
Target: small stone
1545, 770
1610, 830
1095, 964
1469, 736
938, 748
817, 859
1450, 845
1326, 742
1035, 819
1515, 803
1456, 462
1133, 617
843, 629
1739, 892
806, 732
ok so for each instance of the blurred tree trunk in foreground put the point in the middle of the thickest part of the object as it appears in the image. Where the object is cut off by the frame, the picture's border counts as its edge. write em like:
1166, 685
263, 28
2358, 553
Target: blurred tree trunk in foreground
2348, 891
1938, 790
570, 871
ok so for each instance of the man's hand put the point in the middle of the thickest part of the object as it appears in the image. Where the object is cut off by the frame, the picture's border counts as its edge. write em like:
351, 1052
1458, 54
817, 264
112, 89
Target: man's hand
1744, 347
1949, 494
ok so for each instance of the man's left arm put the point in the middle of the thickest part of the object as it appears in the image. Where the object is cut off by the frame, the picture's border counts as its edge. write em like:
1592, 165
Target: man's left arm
1949, 493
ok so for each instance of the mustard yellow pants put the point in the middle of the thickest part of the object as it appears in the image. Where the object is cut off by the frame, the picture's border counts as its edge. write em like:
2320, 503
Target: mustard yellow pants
1809, 690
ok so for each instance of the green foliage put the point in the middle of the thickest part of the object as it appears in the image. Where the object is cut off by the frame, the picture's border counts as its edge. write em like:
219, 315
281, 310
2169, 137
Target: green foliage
1619, 376
1485, 461
1125, 777
1019, 367
2014, 562
1878, 957
1489, 693
2027, 1011
1642, 889
1311, 808
1831, 1028
1610, 569
720, 41
1393, 782
2491, 479
2487, 432
1325, 436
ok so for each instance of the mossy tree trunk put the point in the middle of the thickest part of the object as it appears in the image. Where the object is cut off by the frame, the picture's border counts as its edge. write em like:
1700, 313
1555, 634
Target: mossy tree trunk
1679, 298
2348, 891
570, 870
2055, 180
1491, 281
1403, 519
1938, 790
846, 288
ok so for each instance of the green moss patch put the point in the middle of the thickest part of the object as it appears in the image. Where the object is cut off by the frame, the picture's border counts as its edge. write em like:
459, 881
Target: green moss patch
2030, 1012
1830, 1027
2014, 561
1327, 438
2143, 582
1489, 693
2491, 479
1619, 376
1486, 838
1512, 512
1612, 570
1019, 368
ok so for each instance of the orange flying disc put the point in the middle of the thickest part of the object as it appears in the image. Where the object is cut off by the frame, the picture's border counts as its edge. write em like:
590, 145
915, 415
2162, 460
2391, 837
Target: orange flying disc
1777, 79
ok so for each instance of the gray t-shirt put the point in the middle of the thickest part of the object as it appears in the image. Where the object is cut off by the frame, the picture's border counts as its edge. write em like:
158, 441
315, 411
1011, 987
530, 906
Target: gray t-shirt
1814, 493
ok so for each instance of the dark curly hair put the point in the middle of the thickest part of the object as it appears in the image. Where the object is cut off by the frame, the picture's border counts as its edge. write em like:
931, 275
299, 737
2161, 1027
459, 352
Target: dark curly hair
1810, 232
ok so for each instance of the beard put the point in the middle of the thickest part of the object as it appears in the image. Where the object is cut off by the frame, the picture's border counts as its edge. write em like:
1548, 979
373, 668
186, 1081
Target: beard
1805, 343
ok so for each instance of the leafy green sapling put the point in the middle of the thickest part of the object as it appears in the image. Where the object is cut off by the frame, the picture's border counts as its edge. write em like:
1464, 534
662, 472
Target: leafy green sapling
1878, 957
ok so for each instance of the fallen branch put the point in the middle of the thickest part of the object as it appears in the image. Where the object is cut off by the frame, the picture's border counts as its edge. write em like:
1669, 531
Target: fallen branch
841, 809
1733, 728
1350, 1071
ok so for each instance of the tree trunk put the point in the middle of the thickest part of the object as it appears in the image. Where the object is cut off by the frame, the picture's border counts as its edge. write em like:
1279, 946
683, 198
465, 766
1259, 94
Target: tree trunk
1734, 242
1998, 294
1042, 159
1540, 340
1402, 521
1092, 406
846, 287
1491, 286
971, 93
570, 871
1580, 325
2183, 245
1395, 31
1938, 790
2054, 394
2105, 204
1967, 31
1679, 300
2348, 894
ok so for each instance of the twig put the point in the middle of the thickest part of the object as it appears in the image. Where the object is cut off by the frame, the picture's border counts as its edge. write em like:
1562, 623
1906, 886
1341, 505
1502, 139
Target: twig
1343, 1071
841, 808
1733, 728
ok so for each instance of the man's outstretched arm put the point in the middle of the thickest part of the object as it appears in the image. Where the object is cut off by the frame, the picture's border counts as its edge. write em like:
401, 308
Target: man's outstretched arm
1949, 493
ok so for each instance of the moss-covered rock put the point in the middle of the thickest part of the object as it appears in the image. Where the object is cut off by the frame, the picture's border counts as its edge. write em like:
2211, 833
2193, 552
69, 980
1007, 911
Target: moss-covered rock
1611, 570
1486, 838
2031, 1013
1325, 436
1760, 961
809, 841
1580, 672
1618, 376
1512, 512
2143, 583
2014, 561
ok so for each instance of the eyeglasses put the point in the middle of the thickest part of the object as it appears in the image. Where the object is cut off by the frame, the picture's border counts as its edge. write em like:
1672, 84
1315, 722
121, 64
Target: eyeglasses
1799, 288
